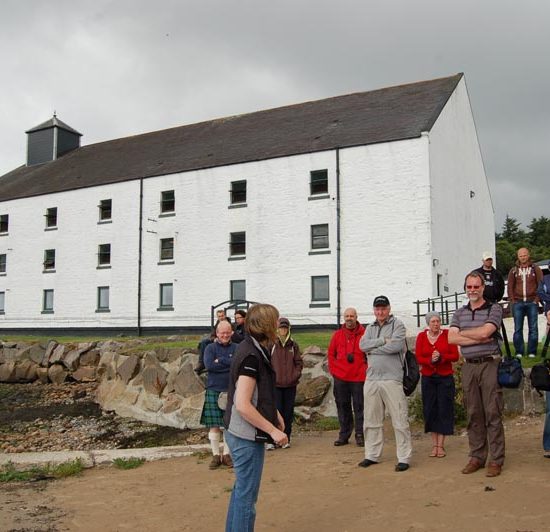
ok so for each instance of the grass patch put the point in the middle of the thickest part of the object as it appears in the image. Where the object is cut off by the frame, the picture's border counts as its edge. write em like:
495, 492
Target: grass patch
318, 338
9, 473
326, 423
128, 463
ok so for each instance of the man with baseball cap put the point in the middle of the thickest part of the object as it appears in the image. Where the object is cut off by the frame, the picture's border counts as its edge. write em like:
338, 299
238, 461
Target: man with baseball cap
494, 282
385, 346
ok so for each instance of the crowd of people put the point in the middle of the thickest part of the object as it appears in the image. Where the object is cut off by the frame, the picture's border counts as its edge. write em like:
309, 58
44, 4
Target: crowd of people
254, 369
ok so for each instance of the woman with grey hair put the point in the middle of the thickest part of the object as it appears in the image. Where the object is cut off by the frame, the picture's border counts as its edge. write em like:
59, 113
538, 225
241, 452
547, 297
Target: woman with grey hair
435, 356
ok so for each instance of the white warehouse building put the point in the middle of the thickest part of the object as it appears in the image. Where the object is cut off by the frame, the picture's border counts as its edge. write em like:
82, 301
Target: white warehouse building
312, 207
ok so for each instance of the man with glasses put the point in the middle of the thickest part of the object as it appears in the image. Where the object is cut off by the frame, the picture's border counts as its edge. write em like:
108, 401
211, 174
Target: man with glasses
346, 364
475, 328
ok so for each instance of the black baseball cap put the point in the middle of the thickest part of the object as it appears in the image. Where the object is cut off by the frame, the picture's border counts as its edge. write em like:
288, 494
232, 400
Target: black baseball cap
381, 301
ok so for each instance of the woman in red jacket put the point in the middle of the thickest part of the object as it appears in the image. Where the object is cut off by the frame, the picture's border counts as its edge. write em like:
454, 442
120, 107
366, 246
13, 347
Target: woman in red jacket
435, 356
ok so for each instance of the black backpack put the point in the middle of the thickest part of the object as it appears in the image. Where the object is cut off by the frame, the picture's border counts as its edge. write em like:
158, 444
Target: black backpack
540, 373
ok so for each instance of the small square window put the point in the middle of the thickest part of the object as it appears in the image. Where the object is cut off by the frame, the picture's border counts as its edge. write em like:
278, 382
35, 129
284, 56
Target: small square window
4, 223
319, 236
237, 244
2, 302
104, 255
167, 201
166, 296
105, 209
3, 259
238, 290
166, 249
318, 183
49, 259
238, 192
47, 301
319, 288
102, 298
51, 217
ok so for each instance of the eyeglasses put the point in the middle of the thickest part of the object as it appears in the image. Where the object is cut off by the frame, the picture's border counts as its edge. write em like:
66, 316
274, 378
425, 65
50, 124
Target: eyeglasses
473, 286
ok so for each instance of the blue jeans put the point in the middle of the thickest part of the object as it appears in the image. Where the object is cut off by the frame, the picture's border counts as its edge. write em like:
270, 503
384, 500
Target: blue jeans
546, 432
520, 309
248, 463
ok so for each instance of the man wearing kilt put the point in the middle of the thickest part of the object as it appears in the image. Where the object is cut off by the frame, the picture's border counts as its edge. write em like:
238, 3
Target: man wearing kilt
217, 359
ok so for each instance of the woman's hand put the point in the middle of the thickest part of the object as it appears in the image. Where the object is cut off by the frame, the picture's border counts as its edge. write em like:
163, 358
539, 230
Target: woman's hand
436, 356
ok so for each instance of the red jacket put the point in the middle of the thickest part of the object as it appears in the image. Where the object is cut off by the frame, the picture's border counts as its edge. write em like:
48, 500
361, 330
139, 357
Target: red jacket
343, 342
424, 350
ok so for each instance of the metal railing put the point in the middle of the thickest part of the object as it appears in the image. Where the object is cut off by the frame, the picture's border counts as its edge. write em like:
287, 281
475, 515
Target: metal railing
445, 305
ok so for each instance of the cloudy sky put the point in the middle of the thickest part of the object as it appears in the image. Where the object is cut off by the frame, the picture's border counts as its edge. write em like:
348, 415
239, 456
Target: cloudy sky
122, 67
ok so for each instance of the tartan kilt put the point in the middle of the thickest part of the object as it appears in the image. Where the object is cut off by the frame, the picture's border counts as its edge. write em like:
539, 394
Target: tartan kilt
212, 415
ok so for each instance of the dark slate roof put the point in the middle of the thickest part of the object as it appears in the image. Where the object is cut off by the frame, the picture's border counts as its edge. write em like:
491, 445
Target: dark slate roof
383, 115
54, 121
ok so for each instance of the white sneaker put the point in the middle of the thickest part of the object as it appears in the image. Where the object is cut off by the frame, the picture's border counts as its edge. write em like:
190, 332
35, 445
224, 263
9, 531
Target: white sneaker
532, 356
519, 355
269, 447
286, 445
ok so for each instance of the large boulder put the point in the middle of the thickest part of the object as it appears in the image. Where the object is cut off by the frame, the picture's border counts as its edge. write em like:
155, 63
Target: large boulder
85, 374
57, 354
7, 372
187, 383
154, 379
57, 373
311, 391
25, 371
70, 359
128, 369
90, 358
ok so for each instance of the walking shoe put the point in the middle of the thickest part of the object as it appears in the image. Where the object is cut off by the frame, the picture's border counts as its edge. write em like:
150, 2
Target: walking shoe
472, 466
216, 462
532, 355
286, 446
401, 466
493, 469
269, 447
366, 463
519, 355
339, 442
227, 461
360, 441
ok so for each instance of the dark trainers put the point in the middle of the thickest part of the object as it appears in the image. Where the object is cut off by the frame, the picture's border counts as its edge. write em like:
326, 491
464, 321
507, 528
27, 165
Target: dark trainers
366, 463
216, 462
227, 461
360, 440
339, 442
401, 466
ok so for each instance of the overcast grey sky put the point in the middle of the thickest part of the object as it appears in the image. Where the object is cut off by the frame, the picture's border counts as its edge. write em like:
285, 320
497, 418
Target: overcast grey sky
116, 68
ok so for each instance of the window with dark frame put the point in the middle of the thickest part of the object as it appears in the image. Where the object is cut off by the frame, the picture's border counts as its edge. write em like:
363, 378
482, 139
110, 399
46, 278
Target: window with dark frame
105, 209
238, 192
47, 301
3, 261
318, 183
2, 302
166, 249
104, 255
237, 290
166, 296
319, 288
51, 217
102, 298
49, 259
4, 223
237, 244
319, 236
167, 201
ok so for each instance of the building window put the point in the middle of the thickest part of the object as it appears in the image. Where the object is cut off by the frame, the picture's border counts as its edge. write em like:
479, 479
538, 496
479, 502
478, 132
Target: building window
104, 255
238, 290
166, 249
318, 183
3, 258
102, 298
238, 192
51, 217
105, 210
4, 223
47, 301
319, 288
2, 302
237, 244
319, 236
167, 201
49, 259
166, 296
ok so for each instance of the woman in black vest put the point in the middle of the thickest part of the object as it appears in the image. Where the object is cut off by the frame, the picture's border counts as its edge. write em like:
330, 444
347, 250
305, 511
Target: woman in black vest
251, 417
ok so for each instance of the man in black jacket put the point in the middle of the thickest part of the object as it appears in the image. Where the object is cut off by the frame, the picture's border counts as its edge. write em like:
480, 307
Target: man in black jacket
494, 282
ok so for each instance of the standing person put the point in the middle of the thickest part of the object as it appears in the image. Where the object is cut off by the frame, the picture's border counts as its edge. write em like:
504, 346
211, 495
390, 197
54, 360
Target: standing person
384, 343
251, 418
207, 340
217, 359
474, 328
494, 282
346, 364
287, 363
238, 331
523, 281
544, 296
435, 356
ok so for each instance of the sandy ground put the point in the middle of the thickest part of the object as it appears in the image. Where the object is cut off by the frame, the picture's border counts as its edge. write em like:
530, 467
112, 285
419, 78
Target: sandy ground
311, 487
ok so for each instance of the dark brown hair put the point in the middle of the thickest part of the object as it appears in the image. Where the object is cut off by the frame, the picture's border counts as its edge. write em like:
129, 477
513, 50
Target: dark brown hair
261, 322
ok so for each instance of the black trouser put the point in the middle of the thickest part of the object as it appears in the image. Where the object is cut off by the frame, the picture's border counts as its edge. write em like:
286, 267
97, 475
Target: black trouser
347, 394
285, 405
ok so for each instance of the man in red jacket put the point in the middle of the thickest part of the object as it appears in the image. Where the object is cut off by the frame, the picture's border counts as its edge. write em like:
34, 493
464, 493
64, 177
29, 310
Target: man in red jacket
346, 363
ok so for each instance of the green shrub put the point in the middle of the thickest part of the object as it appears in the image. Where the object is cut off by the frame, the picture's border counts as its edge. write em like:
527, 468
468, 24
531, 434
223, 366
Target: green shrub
128, 463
